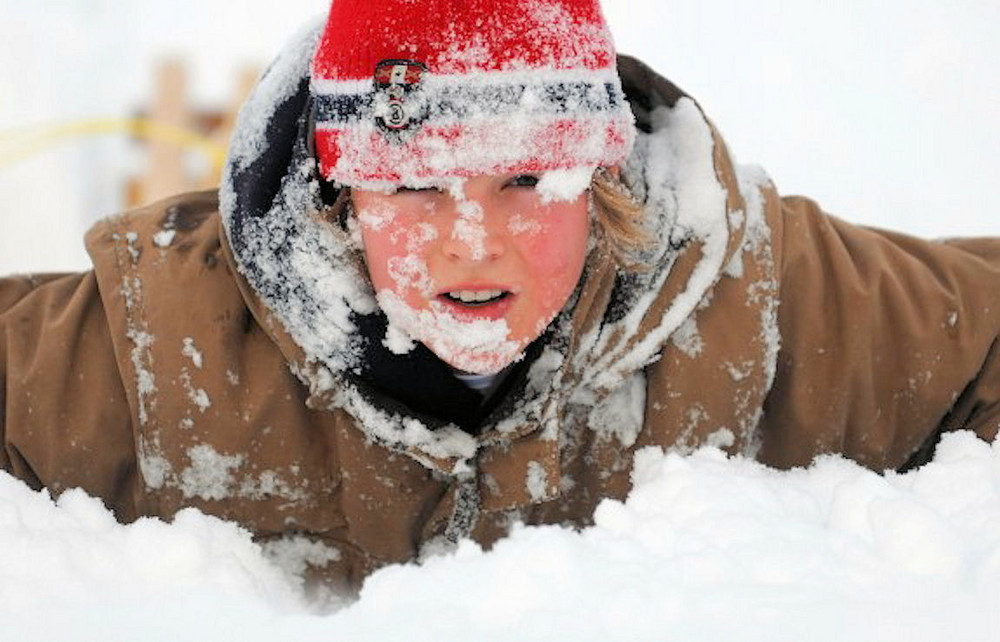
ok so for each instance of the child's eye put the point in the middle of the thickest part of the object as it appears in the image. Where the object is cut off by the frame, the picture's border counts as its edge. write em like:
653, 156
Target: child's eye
403, 189
524, 180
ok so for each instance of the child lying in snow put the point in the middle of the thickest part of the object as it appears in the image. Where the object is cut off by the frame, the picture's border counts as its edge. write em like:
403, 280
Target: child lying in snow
463, 265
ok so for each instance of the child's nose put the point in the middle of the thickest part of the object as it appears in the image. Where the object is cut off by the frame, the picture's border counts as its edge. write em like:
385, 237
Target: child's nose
476, 238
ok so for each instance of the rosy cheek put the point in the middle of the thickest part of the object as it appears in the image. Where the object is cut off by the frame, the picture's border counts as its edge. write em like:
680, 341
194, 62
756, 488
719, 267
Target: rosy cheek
521, 225
378, 252
410, 272
421, 235
395, 253
557, 252
558, 271
382, 245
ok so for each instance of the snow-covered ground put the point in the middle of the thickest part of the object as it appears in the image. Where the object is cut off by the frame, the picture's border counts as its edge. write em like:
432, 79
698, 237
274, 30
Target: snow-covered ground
883, 111
705, 548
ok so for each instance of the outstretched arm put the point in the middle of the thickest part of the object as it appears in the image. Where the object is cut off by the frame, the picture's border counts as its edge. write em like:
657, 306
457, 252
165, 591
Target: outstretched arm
64, 416
886, 340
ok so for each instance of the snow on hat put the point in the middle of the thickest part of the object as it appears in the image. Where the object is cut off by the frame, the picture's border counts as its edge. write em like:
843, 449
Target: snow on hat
409, 91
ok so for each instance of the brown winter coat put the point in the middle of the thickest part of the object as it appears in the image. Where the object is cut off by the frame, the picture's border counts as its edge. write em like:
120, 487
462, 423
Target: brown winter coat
159, 380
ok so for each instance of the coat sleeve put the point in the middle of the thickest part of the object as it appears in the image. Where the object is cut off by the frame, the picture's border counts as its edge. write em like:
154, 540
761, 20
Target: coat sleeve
886, 340
64, 416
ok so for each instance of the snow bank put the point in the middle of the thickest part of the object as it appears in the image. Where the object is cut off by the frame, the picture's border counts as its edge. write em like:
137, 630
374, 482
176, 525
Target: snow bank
705, 548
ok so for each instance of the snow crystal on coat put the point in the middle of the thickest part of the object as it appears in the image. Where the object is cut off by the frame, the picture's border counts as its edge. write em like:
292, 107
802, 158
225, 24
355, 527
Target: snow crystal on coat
153, 464
295, 553
136, 329
164, 238
622, 413
739, 372
270, 484
192, 352
673, 168
536, 482
196, 396
721, 438
734, 269
145, 381
210, 475
687, 339
200, 399
758, 242
409, 434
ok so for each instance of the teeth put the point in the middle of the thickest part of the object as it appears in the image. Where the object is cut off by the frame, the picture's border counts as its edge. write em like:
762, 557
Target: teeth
470, 296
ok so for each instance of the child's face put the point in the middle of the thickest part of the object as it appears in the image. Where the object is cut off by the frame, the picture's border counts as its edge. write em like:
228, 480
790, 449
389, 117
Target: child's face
476, 269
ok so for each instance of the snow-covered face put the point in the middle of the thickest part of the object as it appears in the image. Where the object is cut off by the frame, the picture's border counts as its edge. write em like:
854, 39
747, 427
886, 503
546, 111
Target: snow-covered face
476, 269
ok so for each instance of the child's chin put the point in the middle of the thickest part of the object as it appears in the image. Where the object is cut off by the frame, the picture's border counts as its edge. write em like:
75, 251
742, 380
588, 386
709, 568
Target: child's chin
482, 361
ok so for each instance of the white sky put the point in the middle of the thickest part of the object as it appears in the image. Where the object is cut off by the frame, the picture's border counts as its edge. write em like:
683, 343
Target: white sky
883, 111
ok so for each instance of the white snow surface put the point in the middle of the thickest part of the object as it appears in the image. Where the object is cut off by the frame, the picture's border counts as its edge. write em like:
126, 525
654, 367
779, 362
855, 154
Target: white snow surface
704, 548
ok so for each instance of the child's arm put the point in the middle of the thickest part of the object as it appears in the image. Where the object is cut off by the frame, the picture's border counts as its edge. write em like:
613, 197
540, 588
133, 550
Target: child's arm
886, 340
64, 416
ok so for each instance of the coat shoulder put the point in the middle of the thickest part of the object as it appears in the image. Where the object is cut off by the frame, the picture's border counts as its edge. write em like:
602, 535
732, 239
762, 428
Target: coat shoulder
177, 320
179, 232
161, 268
207, 386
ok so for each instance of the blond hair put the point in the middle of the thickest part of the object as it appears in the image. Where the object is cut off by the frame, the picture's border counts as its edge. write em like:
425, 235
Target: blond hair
620, 219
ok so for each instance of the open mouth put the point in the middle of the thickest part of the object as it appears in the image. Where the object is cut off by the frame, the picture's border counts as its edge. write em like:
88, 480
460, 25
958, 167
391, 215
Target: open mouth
490, 304
476, 298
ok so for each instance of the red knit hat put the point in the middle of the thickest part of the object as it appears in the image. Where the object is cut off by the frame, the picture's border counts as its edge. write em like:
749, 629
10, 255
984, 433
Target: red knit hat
410, 91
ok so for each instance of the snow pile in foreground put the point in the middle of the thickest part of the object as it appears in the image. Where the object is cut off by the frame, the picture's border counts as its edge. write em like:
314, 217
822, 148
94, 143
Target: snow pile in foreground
705, 548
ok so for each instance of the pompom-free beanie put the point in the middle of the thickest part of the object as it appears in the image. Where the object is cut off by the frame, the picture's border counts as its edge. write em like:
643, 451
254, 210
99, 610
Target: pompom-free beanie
412, 91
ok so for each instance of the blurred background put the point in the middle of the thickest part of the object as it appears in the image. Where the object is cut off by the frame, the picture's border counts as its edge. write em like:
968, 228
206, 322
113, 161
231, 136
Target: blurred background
885, 112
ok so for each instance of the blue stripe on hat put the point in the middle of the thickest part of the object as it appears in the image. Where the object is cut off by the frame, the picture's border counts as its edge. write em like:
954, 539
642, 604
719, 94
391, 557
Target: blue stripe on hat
459, 102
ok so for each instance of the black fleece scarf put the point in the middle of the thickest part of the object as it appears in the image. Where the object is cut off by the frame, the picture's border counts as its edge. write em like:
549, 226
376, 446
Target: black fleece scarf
418, 383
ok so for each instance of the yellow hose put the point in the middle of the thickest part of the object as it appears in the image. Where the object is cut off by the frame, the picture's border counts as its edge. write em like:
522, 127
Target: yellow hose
19, 144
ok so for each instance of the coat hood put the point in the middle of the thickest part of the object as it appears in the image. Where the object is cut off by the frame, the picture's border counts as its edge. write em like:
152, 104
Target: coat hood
308, 287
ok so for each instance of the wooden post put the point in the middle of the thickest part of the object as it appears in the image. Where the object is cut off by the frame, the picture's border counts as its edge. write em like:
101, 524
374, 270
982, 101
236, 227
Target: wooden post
166, 174
246, 79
